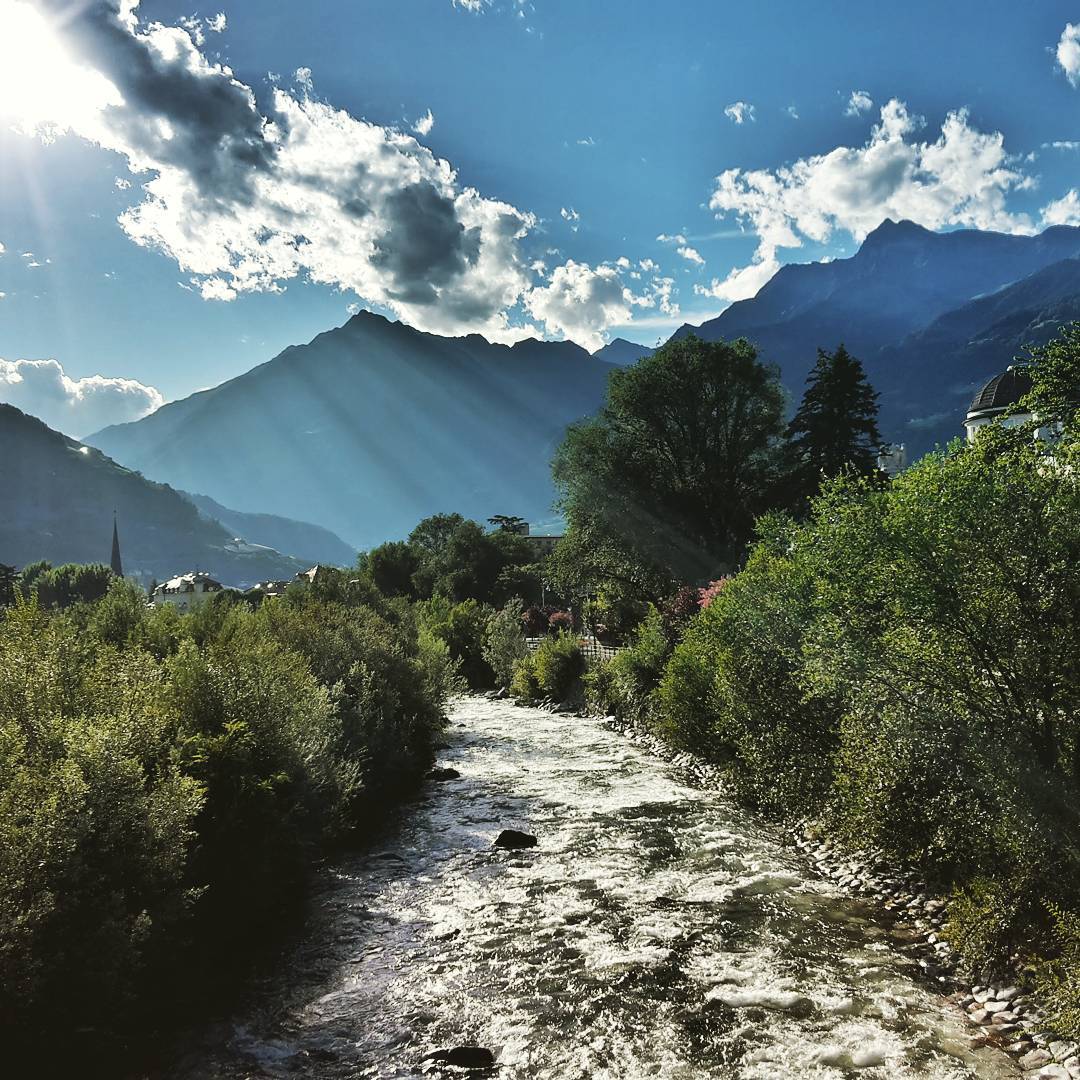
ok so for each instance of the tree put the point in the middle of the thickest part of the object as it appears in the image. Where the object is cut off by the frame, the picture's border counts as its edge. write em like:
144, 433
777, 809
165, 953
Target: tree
662, 486
835, 429
391, 567
1054, 369
508, 523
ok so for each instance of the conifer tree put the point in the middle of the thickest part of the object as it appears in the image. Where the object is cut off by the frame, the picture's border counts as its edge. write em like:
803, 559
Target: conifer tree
835, 429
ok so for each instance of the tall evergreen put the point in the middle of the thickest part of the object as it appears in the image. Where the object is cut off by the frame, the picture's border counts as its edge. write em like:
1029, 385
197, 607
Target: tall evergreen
835, 428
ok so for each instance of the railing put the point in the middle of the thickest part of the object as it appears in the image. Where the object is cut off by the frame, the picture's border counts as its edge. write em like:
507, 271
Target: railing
591, 648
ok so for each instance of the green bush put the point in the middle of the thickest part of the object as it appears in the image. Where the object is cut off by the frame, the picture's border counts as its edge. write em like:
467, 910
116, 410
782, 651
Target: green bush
625, 686
504, 642
463, 626
165, 780
559, 666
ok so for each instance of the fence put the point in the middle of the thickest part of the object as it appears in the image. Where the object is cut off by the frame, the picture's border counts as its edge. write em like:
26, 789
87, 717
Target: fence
591, 648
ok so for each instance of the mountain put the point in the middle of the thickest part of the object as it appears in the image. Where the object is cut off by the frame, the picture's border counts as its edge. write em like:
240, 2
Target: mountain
59, 496
904, 280
622, 352
372, 426
310, 543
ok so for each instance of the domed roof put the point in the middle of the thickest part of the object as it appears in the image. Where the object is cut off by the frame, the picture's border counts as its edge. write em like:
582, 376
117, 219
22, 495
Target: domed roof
1001, 391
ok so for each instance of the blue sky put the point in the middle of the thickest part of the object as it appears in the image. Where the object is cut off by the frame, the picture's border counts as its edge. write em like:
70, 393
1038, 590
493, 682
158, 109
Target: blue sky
585, 130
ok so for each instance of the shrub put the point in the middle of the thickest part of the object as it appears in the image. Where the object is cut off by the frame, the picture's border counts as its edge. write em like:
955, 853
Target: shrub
504, 643
463, 626
625, 685
559, 665
560, 622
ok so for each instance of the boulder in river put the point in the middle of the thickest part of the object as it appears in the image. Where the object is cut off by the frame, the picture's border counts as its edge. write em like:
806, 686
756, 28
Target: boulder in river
464, 1057
513, 839
442, 773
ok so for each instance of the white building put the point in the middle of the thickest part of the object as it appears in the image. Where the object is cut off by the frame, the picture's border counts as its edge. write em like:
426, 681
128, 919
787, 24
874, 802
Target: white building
187, 591
1002, 393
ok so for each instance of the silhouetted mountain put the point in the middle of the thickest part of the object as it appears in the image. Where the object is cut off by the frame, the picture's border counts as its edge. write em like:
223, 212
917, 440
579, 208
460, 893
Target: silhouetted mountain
59, 496
373, 426
620, 351
901, 281
311, 543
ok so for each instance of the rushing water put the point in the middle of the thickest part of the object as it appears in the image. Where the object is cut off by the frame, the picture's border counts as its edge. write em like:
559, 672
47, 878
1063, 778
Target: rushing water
656, 931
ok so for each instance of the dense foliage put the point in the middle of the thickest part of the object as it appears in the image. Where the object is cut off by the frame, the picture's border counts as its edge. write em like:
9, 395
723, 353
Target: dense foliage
165, 778
663, 485
905, 666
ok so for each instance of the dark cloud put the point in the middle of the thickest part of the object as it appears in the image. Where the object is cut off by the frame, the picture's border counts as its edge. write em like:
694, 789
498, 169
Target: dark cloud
423, 245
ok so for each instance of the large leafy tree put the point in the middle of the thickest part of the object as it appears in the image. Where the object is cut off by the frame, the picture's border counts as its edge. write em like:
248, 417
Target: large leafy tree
664, 483
835, 429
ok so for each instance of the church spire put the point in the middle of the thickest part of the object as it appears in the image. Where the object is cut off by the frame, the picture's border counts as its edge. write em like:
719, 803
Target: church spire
117, 565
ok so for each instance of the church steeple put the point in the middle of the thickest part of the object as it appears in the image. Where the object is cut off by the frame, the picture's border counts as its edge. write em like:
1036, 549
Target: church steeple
117, 565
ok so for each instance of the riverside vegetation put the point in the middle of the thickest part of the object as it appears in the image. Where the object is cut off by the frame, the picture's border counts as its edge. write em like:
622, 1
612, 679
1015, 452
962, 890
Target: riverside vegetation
165, 779
899, 661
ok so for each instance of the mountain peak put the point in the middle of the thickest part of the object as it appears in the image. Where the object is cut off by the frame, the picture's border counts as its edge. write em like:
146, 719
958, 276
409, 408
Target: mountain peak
889, 231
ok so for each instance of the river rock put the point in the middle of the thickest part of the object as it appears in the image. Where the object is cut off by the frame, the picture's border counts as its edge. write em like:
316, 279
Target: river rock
442, 773
513, 839
465, 1057
1035, 1059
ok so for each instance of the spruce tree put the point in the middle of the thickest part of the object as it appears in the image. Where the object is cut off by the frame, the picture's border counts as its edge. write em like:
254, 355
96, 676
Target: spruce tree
835, 429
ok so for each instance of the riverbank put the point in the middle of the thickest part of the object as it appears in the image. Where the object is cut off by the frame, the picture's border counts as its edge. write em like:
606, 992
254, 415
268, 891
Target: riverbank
998, 1010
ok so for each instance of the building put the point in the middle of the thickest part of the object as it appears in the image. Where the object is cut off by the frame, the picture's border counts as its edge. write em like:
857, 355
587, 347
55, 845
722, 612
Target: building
266, 589
542, 546
187, 591
117, 565
317, 573
995, 400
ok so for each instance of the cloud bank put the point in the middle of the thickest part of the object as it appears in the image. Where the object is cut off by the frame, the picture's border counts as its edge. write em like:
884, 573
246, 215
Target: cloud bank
961, 178
77, 407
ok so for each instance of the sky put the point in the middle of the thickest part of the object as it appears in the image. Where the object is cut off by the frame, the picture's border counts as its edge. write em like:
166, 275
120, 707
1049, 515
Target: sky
185, 190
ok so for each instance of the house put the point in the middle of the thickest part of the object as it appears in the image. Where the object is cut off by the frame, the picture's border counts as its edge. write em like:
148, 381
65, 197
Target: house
317, 573
187, 591
267, 589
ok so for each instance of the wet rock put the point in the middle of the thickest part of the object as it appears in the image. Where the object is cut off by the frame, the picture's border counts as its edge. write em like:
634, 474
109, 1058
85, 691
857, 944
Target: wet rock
464, 1057
513, 840
440, 774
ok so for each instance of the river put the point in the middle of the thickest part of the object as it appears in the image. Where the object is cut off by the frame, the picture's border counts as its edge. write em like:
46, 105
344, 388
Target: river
655, 931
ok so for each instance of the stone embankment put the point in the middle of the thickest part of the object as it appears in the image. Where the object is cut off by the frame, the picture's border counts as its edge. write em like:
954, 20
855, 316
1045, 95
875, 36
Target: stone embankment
1000, 1013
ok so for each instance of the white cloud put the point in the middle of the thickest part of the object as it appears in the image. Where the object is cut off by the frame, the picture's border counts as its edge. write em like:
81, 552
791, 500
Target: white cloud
121, 184
1068, 52
424, 125
587, 141
740, 112
246, 202
77, 407
569, 214
471, 5
860, 102
581, 301
671, 238
2, 249
218, 23
1059, 144
793, 112
690, 255
961, 178
1063, 211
